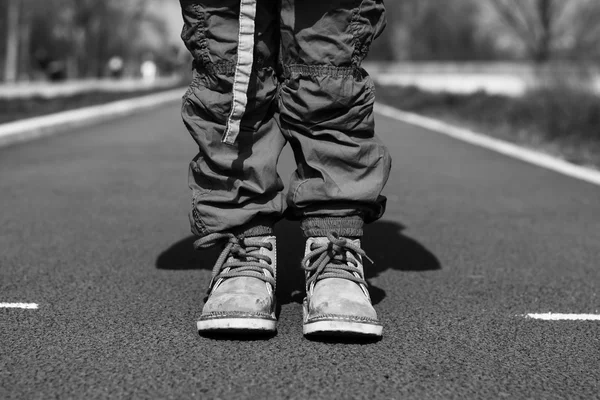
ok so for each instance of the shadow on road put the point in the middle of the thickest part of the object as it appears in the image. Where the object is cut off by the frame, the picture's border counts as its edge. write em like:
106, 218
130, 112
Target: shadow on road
239, 337
384, 242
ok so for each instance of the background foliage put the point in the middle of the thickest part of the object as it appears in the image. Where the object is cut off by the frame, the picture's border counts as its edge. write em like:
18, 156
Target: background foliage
78, 37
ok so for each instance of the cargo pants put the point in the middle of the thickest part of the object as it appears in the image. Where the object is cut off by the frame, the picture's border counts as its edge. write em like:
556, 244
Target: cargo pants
268, 72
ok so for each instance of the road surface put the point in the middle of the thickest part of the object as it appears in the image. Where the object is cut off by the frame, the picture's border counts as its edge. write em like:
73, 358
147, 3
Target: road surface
94, 231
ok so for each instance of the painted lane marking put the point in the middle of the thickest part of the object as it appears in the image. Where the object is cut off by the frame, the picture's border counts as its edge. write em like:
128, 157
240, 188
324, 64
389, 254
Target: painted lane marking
565, 317
499, 146
31, 128
30, 306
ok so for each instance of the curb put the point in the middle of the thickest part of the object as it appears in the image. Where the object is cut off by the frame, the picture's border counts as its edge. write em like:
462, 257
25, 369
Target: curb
33, 128
499, 146
50, 90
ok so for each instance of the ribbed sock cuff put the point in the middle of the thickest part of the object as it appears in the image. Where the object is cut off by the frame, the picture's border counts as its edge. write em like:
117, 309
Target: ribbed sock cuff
351, 226
254, 229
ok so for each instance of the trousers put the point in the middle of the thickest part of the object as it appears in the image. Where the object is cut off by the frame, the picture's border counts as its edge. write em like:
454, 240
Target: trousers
298, 64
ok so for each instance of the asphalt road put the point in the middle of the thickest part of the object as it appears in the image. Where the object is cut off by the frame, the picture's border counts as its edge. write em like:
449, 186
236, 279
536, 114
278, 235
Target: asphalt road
94, 229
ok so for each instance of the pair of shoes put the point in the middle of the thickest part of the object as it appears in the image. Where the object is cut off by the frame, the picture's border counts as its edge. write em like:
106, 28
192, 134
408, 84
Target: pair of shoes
242, 290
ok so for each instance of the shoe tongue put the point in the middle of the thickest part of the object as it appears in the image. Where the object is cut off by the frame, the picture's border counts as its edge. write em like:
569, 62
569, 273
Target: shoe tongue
356, 242
265, 239
319, 240
323, 240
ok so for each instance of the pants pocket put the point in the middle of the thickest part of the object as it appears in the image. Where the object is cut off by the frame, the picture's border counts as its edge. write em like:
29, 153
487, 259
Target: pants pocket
193, 33
368, 22
210, 30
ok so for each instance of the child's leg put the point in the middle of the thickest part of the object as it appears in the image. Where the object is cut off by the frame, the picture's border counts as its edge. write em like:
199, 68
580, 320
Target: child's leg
236, 189
326, 108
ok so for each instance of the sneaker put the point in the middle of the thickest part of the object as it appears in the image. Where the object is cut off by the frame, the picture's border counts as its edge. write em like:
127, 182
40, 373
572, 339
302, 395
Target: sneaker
242, 290
337, 299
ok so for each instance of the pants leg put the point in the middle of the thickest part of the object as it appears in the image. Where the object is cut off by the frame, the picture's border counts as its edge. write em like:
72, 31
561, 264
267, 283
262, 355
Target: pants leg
326, 108
235, 187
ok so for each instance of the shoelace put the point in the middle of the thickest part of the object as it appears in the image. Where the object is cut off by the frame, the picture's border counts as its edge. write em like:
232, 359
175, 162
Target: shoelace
329, 260
246, 257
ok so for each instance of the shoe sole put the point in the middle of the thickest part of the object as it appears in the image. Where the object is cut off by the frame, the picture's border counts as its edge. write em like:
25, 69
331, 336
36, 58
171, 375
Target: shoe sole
237, 325
340, 327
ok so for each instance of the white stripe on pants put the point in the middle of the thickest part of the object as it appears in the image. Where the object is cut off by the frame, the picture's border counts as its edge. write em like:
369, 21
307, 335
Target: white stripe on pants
243, 70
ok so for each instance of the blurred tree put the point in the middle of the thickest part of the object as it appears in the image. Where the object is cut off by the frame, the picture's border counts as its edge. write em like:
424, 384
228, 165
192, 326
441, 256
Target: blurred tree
578, 33
77, 38
433, 30
13, 8
552, 28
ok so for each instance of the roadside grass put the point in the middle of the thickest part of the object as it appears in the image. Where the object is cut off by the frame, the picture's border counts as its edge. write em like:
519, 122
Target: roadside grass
12, 109
555, 120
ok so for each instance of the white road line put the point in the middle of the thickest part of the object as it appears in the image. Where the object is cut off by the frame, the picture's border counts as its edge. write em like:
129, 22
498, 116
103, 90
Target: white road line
30, 306
565, 317
499, 146
31, 128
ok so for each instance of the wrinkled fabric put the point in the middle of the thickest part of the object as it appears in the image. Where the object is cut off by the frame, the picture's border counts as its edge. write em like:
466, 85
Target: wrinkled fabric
232, 185
307, 87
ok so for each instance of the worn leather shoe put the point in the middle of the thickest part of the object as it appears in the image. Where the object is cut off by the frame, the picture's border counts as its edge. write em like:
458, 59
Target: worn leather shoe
242, 290
337, 300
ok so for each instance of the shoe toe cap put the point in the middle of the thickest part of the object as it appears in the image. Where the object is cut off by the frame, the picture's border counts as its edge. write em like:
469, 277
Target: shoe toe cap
238, 303
344, 302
